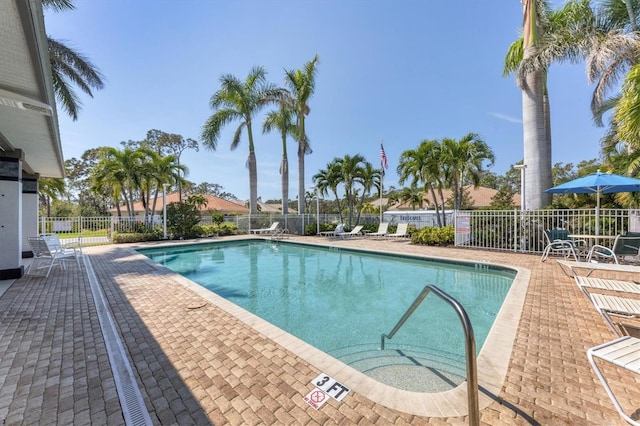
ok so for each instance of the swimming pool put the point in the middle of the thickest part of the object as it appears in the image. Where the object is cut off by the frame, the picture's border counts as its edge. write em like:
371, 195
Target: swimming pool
340, 301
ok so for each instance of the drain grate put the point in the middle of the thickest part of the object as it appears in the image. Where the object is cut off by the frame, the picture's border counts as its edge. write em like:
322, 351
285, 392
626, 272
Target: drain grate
131, 400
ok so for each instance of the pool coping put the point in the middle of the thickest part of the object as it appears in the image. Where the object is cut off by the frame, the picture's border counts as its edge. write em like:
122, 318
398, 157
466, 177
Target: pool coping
492, 362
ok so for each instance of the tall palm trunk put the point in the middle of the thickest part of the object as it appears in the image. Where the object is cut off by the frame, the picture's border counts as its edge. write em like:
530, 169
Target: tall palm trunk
537, 146
535, 127
284, 170
632, 15
253, 173
301, 150
253, 183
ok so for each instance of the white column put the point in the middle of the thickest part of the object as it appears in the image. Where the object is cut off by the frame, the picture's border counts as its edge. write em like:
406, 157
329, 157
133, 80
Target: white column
11, 217
29, 211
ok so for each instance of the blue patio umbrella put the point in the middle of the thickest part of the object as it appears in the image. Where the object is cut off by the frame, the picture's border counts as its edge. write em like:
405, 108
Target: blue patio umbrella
598, 183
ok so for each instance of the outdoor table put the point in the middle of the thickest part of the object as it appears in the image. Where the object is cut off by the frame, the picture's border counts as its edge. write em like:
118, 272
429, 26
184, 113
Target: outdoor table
592, 239
589, 237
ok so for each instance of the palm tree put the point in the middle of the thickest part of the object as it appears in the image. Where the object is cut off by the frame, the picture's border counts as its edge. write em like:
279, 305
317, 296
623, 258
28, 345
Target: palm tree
163, 170
370, 178
621, 14
69, 66
240, 101
626, 121
535, 123
351, 173
120, 170
50, 189
573, 33
463, 163
610, 54
282, 119
165, 143
301, 85
412, 195
329, 179
421, 166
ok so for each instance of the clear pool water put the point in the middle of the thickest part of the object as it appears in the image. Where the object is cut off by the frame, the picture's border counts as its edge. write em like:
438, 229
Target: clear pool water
341, 301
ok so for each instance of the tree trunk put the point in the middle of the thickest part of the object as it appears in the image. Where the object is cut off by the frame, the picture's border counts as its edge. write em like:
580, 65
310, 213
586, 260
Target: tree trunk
253, 173
632, 15
301, 191
253, 183
537, 148
284, 170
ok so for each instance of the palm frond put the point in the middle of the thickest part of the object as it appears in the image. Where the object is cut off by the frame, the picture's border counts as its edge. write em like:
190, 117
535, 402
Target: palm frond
58, 5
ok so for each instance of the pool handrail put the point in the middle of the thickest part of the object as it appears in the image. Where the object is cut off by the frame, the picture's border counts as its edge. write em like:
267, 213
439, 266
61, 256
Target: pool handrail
470, 345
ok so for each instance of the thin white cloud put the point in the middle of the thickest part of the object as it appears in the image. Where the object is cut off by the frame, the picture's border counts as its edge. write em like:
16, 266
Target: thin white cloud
506, 117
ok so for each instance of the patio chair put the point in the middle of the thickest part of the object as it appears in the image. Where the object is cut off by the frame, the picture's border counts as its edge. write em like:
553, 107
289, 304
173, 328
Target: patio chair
586, 283
614, 306
623, 352
45, 256
624, 247
354, 232
269, 230
558, 242
401, 231
571, 268
339, 230
383, 227
63, 251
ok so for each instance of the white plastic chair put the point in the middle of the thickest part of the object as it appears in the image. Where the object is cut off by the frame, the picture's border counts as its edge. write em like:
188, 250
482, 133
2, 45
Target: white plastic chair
558, 242
45, 256
401, 231
272, 229
383, 227
623, 352
62, 251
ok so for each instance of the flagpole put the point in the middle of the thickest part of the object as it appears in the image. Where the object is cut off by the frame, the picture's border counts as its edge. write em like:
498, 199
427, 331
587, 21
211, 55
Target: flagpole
383, 164
381, 186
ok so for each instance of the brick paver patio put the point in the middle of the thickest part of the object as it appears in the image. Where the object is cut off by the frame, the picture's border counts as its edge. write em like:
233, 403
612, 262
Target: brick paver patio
195, 363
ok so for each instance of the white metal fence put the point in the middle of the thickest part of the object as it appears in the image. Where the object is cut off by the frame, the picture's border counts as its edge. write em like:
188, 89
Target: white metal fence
95, 230
524, 231
506, 230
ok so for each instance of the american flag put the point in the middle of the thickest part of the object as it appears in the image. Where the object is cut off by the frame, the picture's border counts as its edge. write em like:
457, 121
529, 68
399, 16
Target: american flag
383, 158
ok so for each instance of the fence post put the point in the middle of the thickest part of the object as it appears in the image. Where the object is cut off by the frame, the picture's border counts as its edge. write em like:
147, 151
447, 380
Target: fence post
516, 234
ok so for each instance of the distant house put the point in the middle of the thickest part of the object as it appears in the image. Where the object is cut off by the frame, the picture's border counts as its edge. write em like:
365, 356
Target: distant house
269, 207
214, 204
480, 198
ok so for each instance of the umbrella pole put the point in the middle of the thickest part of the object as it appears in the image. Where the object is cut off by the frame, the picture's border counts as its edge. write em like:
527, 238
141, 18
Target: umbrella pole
598, 211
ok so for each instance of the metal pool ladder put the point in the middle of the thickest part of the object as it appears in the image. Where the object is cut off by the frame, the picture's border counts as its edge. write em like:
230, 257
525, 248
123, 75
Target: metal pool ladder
470, 345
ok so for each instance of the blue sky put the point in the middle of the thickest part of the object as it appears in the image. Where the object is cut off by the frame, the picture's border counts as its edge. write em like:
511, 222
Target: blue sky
399, 71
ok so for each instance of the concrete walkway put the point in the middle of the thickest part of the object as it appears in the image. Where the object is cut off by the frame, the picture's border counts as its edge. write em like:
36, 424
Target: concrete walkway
196, 363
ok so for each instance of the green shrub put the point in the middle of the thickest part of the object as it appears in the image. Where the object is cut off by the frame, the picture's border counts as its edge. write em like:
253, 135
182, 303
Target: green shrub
222, 229
217, 218
227, 228
434, 236
182, 219
207, 230
135, 237
312, 228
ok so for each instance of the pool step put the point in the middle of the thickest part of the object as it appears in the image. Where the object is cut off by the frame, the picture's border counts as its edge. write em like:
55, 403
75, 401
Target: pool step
407, 369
